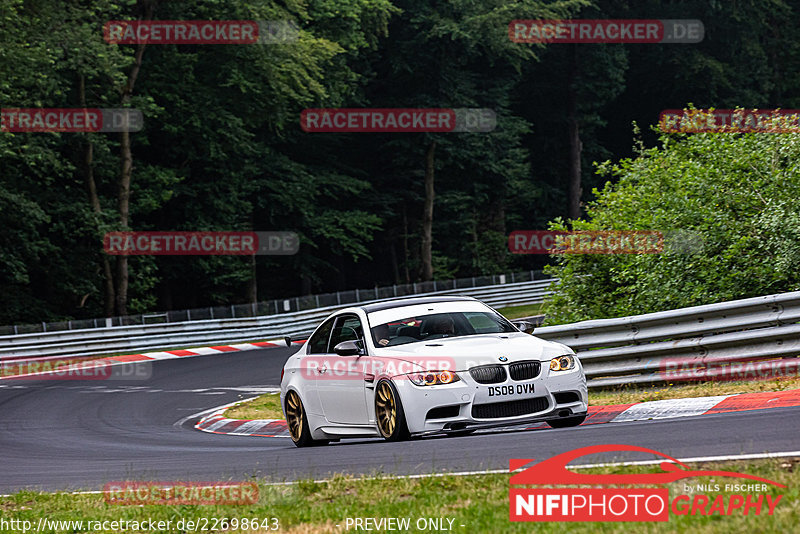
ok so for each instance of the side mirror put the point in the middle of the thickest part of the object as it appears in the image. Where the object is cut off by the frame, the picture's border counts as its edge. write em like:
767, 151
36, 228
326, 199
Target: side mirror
288, 340
348, 348
524, 326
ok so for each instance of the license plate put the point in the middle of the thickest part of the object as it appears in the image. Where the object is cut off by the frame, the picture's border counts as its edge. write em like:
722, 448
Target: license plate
509, 390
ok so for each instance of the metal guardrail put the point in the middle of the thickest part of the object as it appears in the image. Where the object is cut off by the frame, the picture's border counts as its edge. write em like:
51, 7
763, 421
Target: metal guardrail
141, 338
278, 306
636, 349
625, 350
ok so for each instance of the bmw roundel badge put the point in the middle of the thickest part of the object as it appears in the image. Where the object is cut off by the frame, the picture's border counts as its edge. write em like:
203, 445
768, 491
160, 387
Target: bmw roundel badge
503, 359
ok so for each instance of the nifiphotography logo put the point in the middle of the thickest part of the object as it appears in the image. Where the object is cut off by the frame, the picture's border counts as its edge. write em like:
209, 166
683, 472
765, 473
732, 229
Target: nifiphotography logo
599, 503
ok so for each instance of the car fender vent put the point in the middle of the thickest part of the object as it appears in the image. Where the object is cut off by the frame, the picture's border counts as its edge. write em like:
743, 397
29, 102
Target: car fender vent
443, 412
565, 397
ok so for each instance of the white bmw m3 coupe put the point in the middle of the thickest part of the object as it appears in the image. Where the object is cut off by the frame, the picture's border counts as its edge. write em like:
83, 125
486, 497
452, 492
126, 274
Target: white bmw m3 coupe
426, 365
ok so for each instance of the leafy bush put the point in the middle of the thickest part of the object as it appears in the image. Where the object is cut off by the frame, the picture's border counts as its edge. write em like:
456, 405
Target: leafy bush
738, 192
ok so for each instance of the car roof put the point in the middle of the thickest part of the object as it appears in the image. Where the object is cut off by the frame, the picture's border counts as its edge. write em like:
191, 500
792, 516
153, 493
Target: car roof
400, 303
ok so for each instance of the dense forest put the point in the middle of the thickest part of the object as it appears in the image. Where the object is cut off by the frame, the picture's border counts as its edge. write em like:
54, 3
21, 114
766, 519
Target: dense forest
222, 146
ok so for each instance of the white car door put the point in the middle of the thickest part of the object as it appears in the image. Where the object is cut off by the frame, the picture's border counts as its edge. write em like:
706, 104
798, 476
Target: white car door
341, 385
313, 365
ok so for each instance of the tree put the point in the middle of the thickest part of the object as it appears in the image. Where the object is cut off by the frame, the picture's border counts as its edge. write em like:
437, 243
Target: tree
458, 57
733, 193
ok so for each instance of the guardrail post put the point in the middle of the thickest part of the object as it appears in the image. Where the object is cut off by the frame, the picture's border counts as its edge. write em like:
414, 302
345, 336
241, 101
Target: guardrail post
233, 312
44, 326
512, 277
317, 300
394, 287
189, 314
357, 295
338, 298
210, 310
253, 307
414, 287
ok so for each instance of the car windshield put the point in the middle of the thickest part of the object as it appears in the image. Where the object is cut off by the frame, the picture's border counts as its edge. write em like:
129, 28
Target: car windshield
437, 326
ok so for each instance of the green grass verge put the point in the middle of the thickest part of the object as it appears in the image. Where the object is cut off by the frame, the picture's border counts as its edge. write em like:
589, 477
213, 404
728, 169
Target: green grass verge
515, 312
267, 406
479, 502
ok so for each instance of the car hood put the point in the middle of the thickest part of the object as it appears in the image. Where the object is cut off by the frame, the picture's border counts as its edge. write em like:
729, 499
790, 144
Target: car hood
462, 353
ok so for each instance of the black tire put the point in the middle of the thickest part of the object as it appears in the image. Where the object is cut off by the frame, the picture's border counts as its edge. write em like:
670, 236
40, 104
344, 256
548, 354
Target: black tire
297, 421
566, 422
389, 414
458, 433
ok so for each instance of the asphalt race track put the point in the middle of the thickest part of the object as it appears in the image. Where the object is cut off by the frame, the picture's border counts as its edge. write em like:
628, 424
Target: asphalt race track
70, 434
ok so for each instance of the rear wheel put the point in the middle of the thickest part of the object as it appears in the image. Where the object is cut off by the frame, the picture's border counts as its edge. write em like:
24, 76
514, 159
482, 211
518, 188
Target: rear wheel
389, 412
565, 422
297, 421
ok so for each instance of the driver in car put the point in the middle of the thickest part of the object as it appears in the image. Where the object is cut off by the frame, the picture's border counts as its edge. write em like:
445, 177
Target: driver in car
443, 325
381, 334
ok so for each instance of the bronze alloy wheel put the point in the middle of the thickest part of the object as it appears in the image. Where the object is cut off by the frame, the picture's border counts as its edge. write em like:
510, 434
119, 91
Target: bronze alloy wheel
389, 412
294, 415
385, 409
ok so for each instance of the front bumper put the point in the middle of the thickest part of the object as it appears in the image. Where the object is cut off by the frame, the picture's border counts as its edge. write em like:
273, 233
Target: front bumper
466, 404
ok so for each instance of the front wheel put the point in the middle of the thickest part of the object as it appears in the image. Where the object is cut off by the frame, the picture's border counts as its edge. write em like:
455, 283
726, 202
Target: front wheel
297, 421
565, 422
389, 413
459, 433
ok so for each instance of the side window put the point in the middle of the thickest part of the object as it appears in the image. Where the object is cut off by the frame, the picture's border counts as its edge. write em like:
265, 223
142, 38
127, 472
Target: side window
481, 322
347, 328
318, 344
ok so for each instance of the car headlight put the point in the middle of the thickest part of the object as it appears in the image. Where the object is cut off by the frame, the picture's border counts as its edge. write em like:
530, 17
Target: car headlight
433, 378
562, 363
